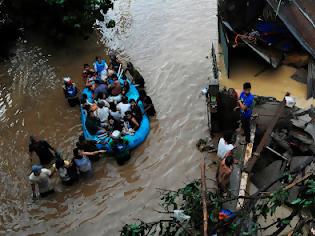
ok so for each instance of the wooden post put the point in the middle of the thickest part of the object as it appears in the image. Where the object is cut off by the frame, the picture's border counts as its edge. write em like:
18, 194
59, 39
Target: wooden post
203, 197
310, 80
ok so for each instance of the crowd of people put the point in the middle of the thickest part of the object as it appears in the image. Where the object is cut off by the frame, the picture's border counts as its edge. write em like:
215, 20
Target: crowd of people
226, 145
108, 113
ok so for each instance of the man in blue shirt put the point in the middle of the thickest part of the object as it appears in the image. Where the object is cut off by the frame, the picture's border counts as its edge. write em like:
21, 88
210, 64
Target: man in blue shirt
246, 103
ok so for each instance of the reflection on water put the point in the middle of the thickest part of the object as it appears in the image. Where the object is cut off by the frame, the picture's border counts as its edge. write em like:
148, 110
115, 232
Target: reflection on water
168, 41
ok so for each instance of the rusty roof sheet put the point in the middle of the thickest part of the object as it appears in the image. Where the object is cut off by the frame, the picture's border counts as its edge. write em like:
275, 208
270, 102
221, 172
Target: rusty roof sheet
299, 17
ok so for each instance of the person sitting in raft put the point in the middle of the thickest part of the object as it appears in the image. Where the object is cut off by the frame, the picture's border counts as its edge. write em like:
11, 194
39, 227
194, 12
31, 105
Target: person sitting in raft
147, 103
119, 146
131, 121
71, 92
102, 113
224, 172
41, 177
125, 88
100, 88
114, 112
101, 97
110, 73
87, 72
67, 171
93, 125
84, 100
225, 145
100, 66
114, 124
115, 88
123, 106
135, 110
42, 148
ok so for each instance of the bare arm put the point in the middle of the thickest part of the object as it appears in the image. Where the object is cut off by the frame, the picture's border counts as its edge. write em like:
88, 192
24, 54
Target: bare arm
92, 153
135, 123
242, 106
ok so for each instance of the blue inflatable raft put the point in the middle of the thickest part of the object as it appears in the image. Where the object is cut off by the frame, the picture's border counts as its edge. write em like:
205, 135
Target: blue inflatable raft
133, 140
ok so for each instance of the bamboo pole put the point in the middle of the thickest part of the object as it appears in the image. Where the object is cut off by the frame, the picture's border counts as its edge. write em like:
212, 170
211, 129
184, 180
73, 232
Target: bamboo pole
203, 197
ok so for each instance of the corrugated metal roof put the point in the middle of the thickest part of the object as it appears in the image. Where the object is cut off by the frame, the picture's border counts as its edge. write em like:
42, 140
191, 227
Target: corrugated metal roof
299, 17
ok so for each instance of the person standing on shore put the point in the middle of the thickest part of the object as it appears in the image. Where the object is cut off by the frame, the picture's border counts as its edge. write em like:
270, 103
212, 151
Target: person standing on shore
246, 102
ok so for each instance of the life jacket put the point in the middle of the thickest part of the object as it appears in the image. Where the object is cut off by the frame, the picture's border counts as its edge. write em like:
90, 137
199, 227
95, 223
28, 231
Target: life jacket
119, 147
100, 66
71, 91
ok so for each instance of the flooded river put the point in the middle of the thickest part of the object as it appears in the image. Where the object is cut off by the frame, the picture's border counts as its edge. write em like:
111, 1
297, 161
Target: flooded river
168, 41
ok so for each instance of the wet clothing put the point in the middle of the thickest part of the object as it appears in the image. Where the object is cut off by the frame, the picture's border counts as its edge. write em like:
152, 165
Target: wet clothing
92, 125
120, 150
42, 180
42, 149
68, 174
147, 102
224, 148
84, 164
89, 146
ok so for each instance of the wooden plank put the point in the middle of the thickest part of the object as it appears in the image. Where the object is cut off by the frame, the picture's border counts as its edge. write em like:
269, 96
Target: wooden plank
311, 74
265, 139
310, 79
244, 175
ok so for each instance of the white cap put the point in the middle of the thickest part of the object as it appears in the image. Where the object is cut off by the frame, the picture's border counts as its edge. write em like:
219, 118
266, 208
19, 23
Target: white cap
116, 134
66, 79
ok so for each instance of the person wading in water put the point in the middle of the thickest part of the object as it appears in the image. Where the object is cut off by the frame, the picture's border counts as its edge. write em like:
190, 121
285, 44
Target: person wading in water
41, 177
44, 151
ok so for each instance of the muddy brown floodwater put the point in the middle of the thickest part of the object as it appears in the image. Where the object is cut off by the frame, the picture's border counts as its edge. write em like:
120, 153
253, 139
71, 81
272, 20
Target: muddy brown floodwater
168, 41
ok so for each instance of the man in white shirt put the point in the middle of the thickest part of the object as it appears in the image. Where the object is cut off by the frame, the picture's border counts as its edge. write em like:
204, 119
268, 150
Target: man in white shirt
102, 113
41, 177
123, 106
225, 145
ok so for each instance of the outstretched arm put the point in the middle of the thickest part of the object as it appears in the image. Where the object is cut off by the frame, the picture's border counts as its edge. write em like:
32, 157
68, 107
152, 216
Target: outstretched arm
92, 153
